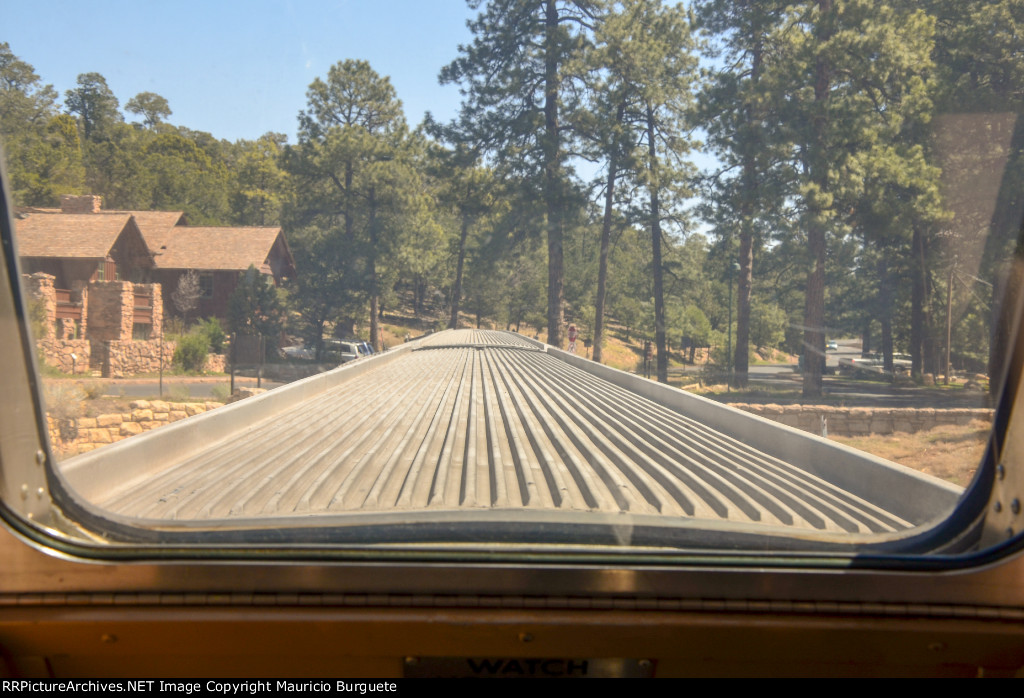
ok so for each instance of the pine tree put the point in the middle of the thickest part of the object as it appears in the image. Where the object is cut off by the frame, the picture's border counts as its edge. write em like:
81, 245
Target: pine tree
518, 91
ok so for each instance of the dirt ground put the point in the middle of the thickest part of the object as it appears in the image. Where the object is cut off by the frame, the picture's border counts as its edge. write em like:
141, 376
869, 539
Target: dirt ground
952, 453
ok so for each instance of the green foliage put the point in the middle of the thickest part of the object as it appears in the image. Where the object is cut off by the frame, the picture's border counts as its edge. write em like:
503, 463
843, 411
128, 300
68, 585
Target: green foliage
178, 392
150, 106
261, 185
37, 316
214, 333
95, 105
221, 392
361, 214
190, 353
768, 323
43, 152
515, 102
255, 307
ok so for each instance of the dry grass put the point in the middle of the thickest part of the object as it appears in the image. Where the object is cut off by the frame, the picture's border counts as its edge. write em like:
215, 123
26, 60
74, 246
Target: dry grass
949, 452
617, 354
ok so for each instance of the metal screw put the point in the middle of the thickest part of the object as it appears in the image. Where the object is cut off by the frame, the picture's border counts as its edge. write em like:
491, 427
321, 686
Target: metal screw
411, 661
40, 457
1015, 506
108, 638
24, 490
40, 492
525, 637
998, 506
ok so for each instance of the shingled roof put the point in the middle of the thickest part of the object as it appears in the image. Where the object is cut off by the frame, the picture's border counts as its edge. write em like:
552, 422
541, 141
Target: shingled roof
221, 248
154, 222
85, 236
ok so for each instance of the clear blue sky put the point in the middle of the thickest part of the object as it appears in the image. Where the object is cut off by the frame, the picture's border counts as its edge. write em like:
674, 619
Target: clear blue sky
240, 69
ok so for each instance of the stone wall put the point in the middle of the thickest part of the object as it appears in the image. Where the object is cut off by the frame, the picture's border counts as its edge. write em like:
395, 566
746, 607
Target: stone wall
121, 359
861, 421
40, 286
215, 363
57, 353
92, 432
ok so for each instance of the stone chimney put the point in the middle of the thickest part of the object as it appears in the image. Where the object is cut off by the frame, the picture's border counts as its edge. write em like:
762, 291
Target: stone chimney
88, 203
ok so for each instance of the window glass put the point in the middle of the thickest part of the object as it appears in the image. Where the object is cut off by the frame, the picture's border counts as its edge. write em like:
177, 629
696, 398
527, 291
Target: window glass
714, 275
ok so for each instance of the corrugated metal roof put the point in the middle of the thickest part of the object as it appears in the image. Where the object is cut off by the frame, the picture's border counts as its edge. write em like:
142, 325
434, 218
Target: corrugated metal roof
479, 421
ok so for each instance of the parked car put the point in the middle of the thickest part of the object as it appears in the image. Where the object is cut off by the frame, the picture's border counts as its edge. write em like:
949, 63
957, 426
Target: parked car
874, 364
299, 352
831, 345
345, 350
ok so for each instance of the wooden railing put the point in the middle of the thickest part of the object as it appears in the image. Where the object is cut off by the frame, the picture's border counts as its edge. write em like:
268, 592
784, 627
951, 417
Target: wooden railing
144, 307
67, 309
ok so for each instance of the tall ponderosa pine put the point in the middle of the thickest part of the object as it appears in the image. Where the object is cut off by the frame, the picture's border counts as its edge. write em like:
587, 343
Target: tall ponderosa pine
651, 72
849, 70
517, 93
739, 109
95, 104
353, 182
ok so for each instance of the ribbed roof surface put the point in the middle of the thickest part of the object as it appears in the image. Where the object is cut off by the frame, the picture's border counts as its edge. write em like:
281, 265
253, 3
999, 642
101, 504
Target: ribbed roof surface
476, 420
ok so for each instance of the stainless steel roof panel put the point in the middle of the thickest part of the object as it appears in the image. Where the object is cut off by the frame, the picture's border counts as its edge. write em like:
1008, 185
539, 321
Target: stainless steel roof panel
475, 420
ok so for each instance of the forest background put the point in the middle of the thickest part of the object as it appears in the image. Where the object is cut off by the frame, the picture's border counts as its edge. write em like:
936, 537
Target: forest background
864, 180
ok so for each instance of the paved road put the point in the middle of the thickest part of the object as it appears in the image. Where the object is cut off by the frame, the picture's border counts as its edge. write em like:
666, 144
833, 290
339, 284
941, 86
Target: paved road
841, 390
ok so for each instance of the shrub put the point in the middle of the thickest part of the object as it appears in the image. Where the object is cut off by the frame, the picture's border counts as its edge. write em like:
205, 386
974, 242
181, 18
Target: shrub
221, 392
178, 393
190, 354
214, 334
93, 390
64, 406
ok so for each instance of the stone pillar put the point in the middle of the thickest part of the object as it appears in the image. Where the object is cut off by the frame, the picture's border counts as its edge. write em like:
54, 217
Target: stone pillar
40, 287
111, 311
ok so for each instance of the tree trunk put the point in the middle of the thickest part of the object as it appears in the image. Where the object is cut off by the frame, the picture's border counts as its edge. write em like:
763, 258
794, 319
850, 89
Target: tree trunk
655, 214
885, 301
602, 268
606, 237
743, 289
453, 321
917, 289
745, 283
372, 263
814, 307
553, 197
